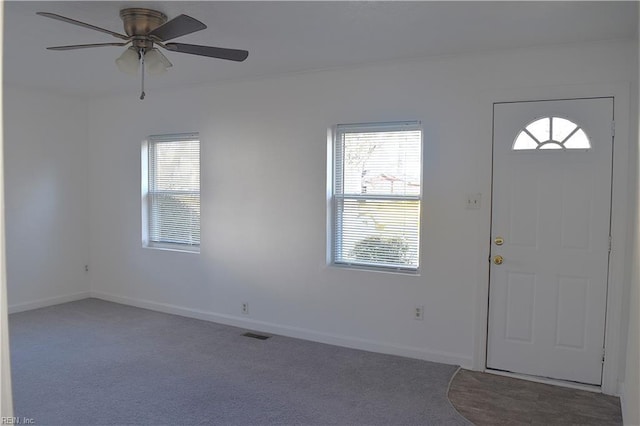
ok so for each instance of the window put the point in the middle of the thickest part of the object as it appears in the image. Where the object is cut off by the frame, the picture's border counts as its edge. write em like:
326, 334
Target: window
376, 195
171, 192
551, 133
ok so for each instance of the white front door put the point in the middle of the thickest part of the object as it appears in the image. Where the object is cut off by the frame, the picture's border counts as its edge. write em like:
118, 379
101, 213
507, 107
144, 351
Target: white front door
551, 207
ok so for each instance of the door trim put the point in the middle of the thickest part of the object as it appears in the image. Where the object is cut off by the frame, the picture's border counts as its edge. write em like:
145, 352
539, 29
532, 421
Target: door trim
620, 92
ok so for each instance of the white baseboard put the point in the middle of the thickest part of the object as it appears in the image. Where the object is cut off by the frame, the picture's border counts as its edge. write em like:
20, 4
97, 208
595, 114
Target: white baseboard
296, 332
42, 303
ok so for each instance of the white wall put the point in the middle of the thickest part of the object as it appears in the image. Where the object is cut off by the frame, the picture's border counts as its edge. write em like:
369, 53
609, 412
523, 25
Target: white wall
631, 379
6, 397
264, 205
46, 151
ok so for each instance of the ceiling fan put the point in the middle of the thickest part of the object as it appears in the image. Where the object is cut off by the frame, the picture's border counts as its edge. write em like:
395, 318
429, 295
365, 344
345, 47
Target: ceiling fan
146, 28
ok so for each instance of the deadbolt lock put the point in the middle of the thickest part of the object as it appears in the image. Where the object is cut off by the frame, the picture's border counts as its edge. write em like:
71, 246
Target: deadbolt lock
499, 241
498, 260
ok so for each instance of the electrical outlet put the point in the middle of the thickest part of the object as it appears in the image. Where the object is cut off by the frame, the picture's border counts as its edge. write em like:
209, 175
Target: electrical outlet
418, 313
473, 201
245, 308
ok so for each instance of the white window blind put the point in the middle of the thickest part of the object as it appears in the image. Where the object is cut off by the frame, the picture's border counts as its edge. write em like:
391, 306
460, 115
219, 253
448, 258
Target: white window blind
377, 195
174, 191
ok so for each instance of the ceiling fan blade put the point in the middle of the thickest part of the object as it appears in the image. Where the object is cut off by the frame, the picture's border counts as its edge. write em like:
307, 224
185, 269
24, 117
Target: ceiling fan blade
85, 46
81, 24
210, 51
177, 27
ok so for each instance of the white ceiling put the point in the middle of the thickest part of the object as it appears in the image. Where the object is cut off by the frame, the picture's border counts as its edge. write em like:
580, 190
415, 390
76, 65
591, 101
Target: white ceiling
284, 37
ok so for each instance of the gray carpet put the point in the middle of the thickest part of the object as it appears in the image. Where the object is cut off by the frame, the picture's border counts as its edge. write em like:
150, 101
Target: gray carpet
93, 362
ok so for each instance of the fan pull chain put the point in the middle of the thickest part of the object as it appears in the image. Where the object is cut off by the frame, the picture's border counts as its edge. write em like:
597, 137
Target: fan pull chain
142, 94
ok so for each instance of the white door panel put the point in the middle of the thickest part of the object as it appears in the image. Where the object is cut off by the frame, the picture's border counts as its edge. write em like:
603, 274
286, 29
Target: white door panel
552, 208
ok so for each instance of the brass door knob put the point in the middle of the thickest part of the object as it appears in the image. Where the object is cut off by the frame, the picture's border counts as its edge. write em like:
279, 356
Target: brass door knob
498, 260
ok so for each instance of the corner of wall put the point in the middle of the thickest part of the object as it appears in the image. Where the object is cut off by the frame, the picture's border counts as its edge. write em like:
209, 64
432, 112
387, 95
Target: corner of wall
630, 387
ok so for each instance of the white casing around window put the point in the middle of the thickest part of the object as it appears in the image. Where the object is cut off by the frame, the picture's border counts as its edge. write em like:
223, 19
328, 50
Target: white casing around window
171, 192
376, 195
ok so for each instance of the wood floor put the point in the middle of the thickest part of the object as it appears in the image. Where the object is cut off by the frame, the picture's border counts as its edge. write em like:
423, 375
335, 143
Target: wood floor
489, 399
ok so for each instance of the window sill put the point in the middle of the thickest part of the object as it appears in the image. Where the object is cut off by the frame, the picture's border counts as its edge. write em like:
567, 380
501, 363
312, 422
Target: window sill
379, 269
174, 248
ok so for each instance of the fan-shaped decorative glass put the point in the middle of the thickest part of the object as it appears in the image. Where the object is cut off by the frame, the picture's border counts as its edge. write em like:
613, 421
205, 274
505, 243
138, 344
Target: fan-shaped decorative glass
551, 133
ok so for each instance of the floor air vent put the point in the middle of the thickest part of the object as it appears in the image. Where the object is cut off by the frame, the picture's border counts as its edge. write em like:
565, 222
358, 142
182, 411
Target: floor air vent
256, 336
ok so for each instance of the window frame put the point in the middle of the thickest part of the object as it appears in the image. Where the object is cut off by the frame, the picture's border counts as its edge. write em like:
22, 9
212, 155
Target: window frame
147, 212
334, 224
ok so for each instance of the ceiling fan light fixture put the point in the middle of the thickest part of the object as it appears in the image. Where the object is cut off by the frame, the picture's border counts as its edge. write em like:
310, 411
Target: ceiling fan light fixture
155, 62
129, 61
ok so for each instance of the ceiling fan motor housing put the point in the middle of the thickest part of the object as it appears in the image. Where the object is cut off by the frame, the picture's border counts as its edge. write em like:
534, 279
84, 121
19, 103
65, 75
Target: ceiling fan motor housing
140, 22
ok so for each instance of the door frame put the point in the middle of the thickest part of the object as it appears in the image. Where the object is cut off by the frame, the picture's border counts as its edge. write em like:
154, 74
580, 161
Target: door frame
618, 271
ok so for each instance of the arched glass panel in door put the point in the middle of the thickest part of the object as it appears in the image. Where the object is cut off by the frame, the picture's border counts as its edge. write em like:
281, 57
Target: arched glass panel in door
551, 133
